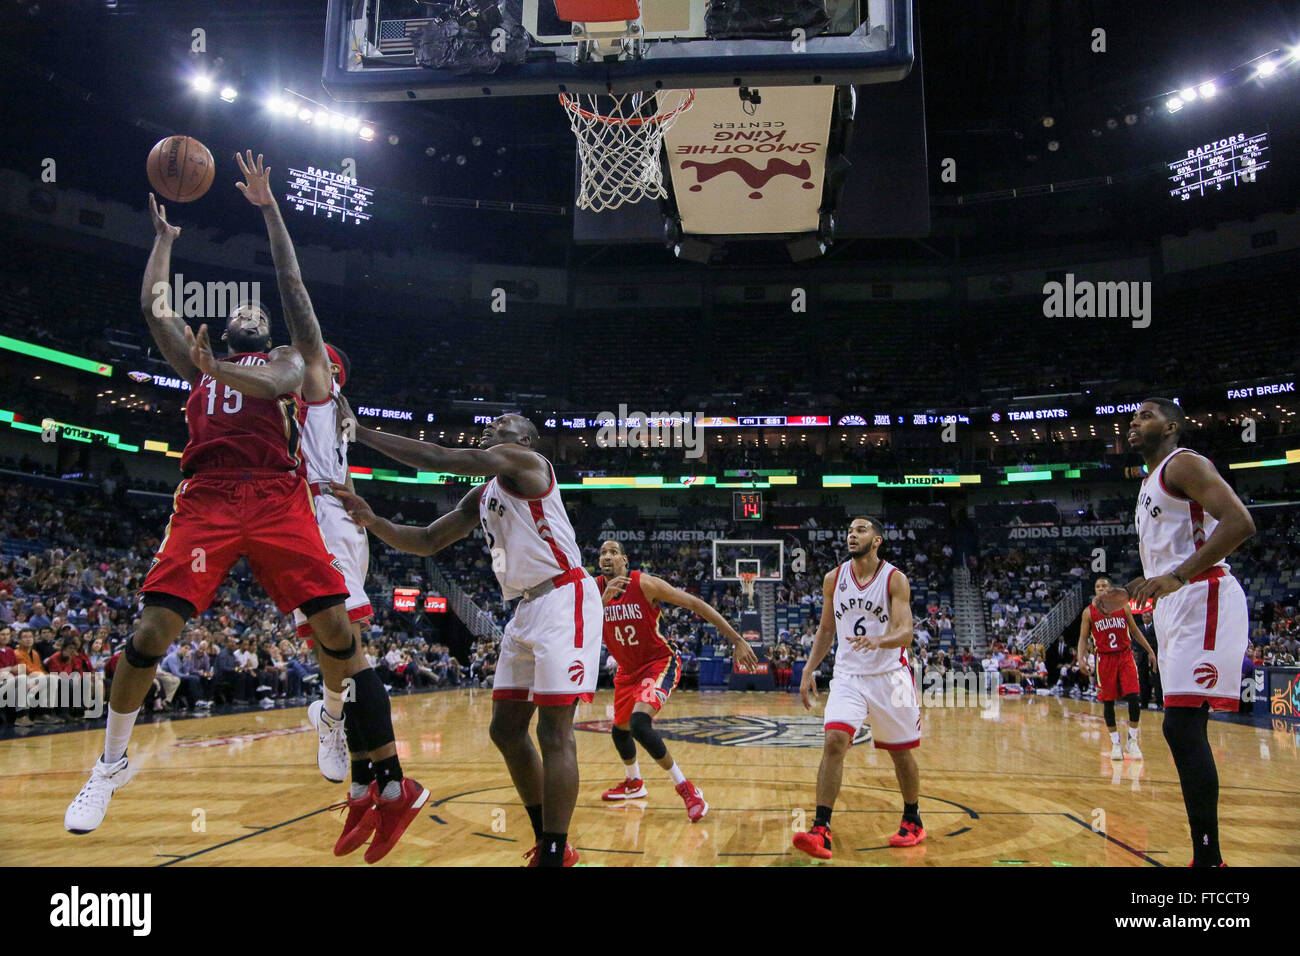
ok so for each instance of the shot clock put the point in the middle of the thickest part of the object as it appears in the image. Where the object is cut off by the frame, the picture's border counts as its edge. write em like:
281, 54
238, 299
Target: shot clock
747, 506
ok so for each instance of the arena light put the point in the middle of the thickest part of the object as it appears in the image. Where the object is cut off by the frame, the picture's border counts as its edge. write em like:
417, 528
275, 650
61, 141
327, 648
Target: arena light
336, 121
1207, 89
202, 83
1267, 68
1173, 104
1188, 95
228, 94
352, 124
305, 115
273, 104
367, 133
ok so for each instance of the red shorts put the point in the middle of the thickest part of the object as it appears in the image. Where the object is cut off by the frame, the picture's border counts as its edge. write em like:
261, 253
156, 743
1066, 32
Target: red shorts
1118, 675
650, 684
217, 518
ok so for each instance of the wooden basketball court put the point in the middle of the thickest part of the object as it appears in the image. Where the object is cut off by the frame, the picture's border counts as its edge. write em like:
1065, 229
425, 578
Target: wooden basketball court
1021, 782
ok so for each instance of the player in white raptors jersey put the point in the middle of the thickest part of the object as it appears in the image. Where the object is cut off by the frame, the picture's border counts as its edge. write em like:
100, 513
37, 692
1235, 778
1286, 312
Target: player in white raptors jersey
1188, 521
867, 606
550, 654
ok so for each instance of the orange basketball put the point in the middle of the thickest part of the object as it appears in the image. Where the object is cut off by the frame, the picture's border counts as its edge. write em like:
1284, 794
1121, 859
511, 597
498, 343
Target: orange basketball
180, 168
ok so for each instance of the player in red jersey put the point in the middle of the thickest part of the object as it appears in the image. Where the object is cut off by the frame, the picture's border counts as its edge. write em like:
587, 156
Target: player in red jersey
381, 801
1116, 669
648, 668
243, 493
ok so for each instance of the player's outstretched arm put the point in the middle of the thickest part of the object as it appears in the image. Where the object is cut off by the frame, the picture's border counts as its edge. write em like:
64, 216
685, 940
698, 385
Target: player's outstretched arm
167, 328
1194, 477
657, 589
821, 643
304, 329
413, 539
281, 374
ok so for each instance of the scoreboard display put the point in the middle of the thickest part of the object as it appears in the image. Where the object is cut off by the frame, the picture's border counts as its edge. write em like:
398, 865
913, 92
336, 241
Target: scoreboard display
329, 195
1213, 166
747, 506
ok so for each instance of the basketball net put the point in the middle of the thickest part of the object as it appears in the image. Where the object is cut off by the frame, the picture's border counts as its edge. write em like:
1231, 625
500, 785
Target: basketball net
747, 579
619, 136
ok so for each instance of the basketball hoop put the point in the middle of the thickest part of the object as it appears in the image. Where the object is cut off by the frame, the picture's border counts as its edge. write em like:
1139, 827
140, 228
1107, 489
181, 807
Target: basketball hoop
619, 136
747, 579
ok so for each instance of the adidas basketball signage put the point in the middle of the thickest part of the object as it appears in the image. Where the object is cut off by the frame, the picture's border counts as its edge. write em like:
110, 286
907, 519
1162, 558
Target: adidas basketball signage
740, 168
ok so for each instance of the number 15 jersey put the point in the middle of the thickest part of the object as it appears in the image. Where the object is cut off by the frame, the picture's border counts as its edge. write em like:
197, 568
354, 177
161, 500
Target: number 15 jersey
231, 431
862, 609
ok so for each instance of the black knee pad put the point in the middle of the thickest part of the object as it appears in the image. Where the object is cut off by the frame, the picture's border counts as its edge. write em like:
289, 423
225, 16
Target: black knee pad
624, 743
1134, 708
344, 655
138, 659
368, 716
643, 730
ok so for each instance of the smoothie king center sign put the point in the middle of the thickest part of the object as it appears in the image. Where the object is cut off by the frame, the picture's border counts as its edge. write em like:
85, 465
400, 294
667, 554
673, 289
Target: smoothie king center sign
738, 168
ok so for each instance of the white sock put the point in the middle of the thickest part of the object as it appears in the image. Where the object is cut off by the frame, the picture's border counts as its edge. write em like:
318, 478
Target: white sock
676, 773
117, 735
392, 790
1114, 736
1132, 733
357, 790
334, 703
633, 770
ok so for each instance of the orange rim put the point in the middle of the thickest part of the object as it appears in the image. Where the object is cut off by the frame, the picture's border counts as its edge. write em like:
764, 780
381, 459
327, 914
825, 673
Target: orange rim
574, 107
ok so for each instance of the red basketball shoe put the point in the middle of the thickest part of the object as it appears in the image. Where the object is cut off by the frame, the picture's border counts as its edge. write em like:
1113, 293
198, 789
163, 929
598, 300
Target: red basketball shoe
361, 821
627, 790
394, 817
909, 834
694, 800
816, 842
532, 855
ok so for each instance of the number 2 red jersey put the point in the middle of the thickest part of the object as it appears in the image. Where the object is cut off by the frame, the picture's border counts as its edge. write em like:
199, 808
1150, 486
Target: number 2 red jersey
632, 626
1110, 634
231, 431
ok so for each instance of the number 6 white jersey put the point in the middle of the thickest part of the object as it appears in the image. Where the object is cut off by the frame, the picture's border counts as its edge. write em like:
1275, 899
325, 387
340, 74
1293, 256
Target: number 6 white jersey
862, 609
530, 539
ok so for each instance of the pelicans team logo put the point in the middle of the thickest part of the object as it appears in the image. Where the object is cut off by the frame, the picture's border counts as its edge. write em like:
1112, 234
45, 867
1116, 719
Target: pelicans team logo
1207, 675
730, 730
576, 672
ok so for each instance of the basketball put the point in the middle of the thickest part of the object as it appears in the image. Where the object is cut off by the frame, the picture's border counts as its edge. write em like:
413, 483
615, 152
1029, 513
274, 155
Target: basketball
180, 168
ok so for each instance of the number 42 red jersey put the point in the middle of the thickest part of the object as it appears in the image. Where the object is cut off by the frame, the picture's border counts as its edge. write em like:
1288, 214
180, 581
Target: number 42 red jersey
632, 626
1110, 634
231, 431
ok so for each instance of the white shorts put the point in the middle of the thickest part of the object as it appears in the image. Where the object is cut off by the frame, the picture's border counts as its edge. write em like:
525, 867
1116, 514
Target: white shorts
888, 701
350, 545
550, 654
1201, 634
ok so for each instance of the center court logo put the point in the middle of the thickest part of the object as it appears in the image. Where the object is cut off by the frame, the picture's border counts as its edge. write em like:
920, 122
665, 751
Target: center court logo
76, 909
729, 730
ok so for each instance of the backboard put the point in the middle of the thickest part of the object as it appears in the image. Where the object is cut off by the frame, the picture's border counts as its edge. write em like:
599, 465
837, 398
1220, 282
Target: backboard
731, 557
370, 53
